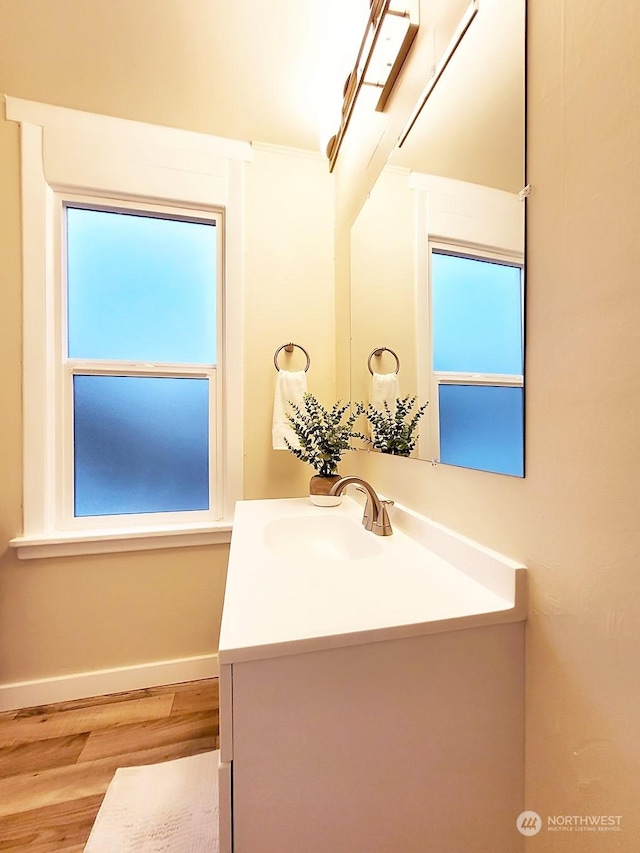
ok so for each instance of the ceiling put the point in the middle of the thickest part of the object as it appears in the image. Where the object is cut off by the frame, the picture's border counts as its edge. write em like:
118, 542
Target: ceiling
246, 69
280, 61
260, 70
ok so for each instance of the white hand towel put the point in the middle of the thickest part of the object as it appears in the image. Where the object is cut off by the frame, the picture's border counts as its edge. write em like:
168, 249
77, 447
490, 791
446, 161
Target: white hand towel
291, 387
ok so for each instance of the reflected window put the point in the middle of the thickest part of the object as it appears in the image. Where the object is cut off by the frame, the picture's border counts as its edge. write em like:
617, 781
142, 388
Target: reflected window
481, 427
478, 361
477, 311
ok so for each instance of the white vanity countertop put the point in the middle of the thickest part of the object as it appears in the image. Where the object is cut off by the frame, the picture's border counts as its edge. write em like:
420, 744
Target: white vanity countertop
281, 600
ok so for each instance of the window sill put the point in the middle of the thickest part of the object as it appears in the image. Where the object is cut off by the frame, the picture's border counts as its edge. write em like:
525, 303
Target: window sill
72, 543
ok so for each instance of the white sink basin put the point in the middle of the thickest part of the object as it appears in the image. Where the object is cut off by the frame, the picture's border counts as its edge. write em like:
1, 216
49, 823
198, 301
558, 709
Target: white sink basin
326, 537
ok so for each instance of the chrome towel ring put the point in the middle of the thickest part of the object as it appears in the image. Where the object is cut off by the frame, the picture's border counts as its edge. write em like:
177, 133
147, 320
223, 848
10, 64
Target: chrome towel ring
289, 348
378, 352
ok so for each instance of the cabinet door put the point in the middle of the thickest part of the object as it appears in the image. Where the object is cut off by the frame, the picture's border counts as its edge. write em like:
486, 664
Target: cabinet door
407, 745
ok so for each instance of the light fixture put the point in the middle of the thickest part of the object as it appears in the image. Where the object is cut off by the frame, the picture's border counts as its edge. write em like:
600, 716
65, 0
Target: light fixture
388, 36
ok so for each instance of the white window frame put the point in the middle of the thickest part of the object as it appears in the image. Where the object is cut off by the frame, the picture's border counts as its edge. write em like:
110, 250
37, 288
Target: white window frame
68, 155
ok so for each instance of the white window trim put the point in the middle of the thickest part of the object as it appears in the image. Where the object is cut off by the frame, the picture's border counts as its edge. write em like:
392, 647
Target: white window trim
67, 151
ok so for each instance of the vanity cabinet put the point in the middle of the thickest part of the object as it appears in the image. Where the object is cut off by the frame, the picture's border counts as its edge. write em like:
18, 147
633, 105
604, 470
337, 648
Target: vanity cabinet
379, 740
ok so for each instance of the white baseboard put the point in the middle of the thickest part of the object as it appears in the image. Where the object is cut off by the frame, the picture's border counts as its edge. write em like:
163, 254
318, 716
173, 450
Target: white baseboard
81, 685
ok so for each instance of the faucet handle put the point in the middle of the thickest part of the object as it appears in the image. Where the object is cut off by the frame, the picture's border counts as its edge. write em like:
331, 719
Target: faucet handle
382, 525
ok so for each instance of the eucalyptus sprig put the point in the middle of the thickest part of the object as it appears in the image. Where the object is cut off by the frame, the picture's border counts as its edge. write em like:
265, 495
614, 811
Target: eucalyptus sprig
390, 433
322, 434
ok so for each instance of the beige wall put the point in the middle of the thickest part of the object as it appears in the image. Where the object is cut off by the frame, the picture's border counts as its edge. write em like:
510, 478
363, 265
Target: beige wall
69, 615
574, 518
289, 297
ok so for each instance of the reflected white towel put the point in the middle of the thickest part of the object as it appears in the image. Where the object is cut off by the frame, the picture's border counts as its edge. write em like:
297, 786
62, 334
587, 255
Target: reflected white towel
384, 388
291, 387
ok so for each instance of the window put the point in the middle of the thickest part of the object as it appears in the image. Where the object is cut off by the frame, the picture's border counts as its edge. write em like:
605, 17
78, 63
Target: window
140, 362
477, 358
132, 262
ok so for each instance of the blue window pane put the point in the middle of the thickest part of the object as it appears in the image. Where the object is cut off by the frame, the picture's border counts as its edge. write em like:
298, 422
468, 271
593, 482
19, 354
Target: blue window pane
481, 426
140, 288
140, 444
477, 315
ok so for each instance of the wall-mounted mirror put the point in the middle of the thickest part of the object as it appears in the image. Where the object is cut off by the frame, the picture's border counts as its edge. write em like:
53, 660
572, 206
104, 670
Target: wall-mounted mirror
437, 257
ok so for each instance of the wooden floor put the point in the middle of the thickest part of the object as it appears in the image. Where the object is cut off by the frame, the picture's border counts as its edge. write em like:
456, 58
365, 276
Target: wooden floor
56, 761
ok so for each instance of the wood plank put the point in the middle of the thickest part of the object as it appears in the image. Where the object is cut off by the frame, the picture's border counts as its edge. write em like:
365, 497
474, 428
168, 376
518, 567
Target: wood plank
52, 829
149, 735
110, 698
30, 791
41, 755
188, 686
87, 702
200, 697
52, 724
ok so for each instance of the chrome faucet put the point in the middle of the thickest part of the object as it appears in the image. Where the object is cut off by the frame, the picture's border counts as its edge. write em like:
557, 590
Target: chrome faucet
375, 516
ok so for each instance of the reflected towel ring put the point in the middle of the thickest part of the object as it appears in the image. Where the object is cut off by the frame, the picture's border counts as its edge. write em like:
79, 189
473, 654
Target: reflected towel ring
378, 352
289, 348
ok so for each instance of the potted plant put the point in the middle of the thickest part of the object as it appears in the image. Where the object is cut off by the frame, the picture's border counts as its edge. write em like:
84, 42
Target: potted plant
391, 432
323, 436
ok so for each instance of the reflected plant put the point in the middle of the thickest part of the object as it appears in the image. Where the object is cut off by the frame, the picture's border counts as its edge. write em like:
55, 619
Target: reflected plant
391, 432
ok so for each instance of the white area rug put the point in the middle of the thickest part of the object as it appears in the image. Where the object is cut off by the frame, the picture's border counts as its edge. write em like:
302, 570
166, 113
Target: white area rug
170, 807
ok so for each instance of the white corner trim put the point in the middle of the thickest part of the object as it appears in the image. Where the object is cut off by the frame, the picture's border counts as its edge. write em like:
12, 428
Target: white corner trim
70, 543
82, 685
50, 116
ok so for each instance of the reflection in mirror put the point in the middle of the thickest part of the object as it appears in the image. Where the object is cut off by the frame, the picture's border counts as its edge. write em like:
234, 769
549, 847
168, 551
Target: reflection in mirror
437, 257
477, 366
